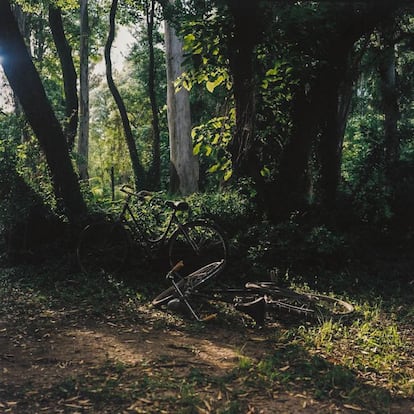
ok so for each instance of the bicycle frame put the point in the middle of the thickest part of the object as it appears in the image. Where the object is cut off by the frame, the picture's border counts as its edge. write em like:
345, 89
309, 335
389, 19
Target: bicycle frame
139, 226
183, 295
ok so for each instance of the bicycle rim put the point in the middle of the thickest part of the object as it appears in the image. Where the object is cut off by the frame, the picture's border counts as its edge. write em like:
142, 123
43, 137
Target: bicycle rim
308, 304
330, 307
198, 244
188, 284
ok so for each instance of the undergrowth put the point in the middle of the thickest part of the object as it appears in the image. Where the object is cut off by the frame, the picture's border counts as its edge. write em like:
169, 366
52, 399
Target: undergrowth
363, 362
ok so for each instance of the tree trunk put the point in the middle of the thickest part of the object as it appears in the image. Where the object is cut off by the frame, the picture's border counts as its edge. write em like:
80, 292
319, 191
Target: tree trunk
154, 174
83, 142
184, 165
389, 99
291, 191
335, 89
139, 173
69, 74
242, 43
27, 86
21, 19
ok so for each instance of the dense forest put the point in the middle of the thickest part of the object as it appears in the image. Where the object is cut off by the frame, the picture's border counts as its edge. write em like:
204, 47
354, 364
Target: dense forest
286, 128
297, 114
293, 120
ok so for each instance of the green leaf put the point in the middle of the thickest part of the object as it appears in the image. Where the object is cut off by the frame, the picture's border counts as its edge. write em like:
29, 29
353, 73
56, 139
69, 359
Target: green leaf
210, 86
216, 139
227, 175
189, 37
271, 72
265, 172
196, 149
214, 168
187, 84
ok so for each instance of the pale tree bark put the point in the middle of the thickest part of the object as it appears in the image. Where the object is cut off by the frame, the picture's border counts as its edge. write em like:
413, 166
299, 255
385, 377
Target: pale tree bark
184, 165
139, 173
154, 173
83, 141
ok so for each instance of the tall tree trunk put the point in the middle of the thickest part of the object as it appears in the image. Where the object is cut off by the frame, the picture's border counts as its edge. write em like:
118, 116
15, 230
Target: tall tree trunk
183, 164
69, 74
291, 190
83, 142
242, 43
154, 174
335, 89
26, 84
389, 98
139, 173
21, 19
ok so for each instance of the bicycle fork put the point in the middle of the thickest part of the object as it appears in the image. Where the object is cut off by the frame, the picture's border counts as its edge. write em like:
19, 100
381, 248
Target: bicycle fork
183, 298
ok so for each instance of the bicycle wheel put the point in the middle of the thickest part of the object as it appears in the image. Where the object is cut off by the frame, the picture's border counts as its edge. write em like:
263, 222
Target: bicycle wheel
189, 284
309, 304
102, 247
197, 243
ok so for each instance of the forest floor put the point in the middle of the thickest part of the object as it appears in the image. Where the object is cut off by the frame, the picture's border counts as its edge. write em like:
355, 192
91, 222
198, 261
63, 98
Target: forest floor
70, 344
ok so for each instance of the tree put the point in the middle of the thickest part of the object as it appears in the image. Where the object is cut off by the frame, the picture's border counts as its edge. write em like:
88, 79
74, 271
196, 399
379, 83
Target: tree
83, 142
154, 173
389, 94
26, 84
183, 163
242, 40
69, 74
323, 59
139, 173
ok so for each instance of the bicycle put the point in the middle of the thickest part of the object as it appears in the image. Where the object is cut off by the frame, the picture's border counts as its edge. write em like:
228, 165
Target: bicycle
105, 245
256, 299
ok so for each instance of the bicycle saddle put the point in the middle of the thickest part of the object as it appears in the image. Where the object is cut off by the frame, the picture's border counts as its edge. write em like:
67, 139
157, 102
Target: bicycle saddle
177, 205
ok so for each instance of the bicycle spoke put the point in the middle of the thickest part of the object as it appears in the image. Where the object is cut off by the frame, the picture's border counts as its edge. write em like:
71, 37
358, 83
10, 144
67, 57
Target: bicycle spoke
197, 244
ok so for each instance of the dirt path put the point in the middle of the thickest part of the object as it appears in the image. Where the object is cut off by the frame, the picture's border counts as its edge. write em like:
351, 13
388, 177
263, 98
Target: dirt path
72, 359
43, 371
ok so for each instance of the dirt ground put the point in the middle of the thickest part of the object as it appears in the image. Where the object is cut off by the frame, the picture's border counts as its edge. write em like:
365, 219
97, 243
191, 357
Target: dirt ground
74, 360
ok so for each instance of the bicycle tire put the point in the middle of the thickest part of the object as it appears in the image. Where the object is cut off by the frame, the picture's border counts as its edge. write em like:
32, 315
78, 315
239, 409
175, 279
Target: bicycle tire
102, 247
309, 304
189, 283
197, 243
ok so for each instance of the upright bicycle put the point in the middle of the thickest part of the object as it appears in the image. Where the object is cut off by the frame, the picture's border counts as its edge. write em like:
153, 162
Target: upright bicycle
150, 222
259, 300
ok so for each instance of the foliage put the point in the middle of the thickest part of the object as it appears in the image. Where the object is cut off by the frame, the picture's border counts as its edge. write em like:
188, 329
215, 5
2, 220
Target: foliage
210, 144
108, 147
363, 168
24, 177
230, 208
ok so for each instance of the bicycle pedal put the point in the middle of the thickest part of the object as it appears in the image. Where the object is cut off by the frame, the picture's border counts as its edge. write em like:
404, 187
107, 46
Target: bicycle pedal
209, 317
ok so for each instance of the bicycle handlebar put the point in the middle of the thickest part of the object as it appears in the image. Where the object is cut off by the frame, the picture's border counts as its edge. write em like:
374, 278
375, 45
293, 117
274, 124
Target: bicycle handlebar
178, 266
